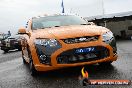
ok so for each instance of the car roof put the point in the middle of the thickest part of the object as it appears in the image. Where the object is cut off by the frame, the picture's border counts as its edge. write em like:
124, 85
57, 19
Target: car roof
58, 14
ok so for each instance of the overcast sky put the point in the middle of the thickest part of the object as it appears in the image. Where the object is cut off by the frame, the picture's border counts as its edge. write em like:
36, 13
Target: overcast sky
15, 13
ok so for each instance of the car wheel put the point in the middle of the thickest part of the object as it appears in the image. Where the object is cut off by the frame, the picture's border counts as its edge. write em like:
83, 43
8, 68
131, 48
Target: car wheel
33, 71
23, 59
19, 48
106, 63
6, 50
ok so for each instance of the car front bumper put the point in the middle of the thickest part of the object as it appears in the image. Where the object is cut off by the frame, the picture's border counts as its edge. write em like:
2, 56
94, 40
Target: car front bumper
41, 67
65, 47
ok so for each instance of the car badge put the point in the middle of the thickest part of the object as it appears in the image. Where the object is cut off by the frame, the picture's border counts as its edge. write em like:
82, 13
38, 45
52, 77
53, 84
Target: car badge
82, 39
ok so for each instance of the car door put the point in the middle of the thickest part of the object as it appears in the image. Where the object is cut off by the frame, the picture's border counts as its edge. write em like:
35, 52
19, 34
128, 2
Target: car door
25, 48
25, 45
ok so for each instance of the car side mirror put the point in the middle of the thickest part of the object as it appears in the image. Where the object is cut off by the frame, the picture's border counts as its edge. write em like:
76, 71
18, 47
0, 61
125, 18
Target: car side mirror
22, 31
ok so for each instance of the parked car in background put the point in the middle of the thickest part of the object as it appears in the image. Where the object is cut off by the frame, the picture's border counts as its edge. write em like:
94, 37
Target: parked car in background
0, 43
12, 42
1, 37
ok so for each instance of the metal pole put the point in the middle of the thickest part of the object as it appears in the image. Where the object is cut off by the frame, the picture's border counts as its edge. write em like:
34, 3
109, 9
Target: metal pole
103, 13
103, 10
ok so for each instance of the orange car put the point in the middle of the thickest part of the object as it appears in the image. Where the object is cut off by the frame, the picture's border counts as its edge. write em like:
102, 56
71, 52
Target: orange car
57, 41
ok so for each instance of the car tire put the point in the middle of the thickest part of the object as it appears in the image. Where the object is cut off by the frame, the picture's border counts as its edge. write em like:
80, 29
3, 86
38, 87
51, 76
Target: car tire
33, 71
19, 48
6, 50
106, 63
23, 59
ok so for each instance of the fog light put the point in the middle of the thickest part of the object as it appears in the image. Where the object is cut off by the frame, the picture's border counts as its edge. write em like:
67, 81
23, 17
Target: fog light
44, 59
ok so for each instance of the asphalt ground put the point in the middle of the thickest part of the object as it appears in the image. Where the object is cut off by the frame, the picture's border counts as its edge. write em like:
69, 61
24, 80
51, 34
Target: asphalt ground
14, 74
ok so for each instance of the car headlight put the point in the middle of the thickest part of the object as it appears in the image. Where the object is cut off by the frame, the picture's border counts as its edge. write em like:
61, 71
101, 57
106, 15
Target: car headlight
108, 37
46, 42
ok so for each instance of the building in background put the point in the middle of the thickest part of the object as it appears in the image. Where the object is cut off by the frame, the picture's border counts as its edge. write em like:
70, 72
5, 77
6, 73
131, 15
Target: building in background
120, 23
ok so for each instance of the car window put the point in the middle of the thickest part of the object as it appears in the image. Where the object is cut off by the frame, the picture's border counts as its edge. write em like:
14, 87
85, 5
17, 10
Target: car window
61, 20
51, 23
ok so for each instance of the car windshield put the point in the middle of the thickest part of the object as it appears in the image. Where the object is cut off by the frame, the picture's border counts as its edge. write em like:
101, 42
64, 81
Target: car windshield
56, 21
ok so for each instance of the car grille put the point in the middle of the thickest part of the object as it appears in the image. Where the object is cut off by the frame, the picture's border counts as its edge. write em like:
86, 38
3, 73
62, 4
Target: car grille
80, 39
12, 42
69, 57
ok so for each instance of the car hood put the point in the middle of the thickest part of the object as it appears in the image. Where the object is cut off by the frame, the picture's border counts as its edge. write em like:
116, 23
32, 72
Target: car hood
70, 31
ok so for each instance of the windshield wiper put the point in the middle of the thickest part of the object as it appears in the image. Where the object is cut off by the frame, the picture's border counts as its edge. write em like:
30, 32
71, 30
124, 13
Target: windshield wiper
44, 27
47, 27
84, 24
56, 26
